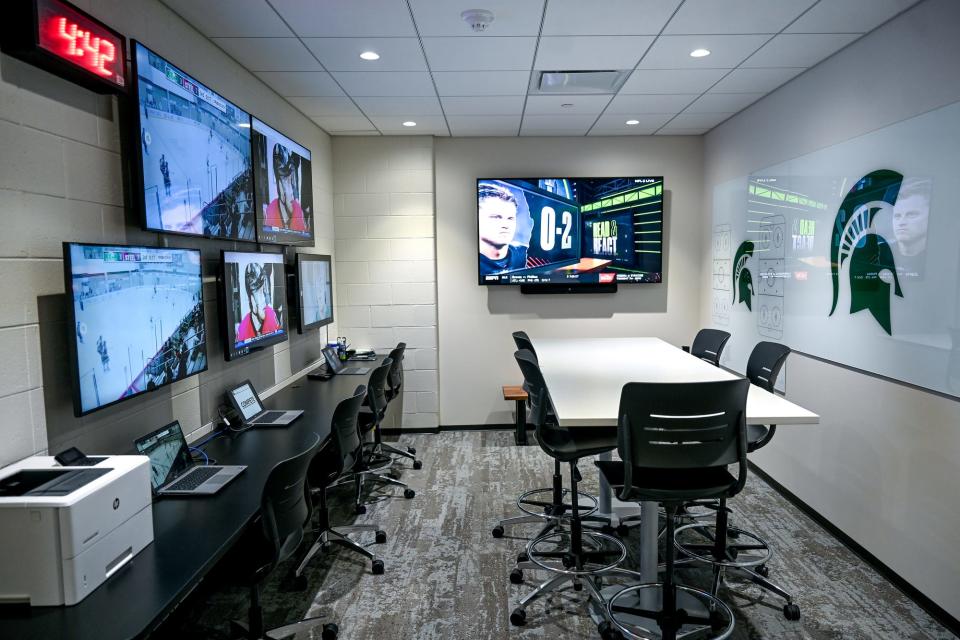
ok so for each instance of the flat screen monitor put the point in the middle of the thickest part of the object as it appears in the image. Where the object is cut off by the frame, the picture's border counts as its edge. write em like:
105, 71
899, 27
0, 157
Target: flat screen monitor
193, 154
136, 320
570, 231
282, 187
316, 290
255, 297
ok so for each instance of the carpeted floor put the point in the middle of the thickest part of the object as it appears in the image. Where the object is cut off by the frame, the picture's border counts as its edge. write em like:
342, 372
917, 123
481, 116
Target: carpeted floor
446, 576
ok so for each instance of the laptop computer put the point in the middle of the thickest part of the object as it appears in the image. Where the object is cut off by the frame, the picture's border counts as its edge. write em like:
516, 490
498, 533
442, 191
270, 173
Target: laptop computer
336, 367
173, 471
247, 404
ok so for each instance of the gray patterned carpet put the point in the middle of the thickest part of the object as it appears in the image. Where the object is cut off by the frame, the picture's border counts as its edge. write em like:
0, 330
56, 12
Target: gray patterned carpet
446, 576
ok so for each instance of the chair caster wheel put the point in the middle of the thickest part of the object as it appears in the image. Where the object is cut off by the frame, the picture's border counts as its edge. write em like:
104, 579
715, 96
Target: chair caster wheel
522, 557
762, 570
568, 561
516, 576
791, 611
623, 530
299, 583
578, 586
412, 451
497, 531
417, 464
330, 631
733, 534
609, 632
361, 509
377, 567
518, 618
409, 493
607, 529
381, 537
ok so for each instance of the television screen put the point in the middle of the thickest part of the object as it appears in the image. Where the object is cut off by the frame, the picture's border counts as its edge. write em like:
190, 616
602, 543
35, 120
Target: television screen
283, 187
136, 320
255, 295
570, 231
194, 154
316, 290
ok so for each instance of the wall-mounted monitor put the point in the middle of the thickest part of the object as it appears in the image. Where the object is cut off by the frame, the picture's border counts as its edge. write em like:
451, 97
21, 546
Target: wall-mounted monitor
136, 320
254, 294
315, 290
570, 232
283, 187
193, 154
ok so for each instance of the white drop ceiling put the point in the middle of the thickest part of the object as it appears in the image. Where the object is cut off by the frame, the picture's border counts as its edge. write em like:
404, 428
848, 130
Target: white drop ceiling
451, 81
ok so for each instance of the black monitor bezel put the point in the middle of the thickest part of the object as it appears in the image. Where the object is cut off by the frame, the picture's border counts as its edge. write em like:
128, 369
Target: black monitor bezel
312, 257
227, 333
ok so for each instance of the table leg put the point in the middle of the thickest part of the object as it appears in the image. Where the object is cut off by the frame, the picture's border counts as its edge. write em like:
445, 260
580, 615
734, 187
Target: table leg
606, 495
520, 438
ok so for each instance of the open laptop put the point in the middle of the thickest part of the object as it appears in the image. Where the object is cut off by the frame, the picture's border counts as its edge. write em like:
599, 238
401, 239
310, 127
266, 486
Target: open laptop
336, 367
246, 403
173, 471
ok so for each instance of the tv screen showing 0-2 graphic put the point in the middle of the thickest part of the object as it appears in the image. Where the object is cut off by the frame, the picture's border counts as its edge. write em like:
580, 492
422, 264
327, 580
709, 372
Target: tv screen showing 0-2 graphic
283, 187
255, 292
137, 320
194, 154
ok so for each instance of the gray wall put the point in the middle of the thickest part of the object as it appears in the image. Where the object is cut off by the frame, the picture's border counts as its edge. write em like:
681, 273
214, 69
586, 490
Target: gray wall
883, 463
61, 176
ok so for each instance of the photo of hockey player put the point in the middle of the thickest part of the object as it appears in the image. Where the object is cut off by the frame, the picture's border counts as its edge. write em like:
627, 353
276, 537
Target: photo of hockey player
283, 187
195, 154
138, 320
316, 292
256, 295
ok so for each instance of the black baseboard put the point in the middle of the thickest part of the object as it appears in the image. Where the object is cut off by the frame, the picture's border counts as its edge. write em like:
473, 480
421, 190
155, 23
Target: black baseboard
928, 605
396, 431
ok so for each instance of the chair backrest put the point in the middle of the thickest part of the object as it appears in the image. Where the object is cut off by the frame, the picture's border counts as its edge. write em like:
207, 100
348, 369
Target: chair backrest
692, 425
709, 344
395, 378
343, 430
766, 360
536, 386
377, 388
285, 504
523, 341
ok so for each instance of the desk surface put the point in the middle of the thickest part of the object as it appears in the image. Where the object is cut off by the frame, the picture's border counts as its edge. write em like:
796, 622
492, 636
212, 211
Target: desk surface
585, 377
190, 534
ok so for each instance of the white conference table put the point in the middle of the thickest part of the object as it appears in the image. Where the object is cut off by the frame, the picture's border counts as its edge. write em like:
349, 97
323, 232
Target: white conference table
586, 375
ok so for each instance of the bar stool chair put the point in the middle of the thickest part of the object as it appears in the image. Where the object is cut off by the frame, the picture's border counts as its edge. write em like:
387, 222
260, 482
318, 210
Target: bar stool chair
394, 387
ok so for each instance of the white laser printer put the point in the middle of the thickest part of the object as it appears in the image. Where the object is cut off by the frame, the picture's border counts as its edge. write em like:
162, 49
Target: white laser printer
65, 530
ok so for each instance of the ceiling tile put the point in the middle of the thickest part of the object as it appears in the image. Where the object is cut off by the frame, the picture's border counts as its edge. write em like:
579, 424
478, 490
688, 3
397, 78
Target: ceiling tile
333, 107
346, 18
482, 83
394, 106
755, 80
570, 53
484, 125
683, 131
510, 17
479, 54
799, 49
369, 132
426, 125
610, 17
723, 102
736, 16
343, 54
610, 124
483, 106
697, 120
231, 18
553, 105
556, 125
848, 16
726, 51
342, 124
665, 81
269, 54
641, 104
301, 83
396, 83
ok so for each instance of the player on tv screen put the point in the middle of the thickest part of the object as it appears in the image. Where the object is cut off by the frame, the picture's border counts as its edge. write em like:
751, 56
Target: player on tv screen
499, 207
256, 294
283, 187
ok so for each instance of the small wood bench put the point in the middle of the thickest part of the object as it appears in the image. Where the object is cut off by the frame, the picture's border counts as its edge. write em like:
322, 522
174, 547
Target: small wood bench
515, 393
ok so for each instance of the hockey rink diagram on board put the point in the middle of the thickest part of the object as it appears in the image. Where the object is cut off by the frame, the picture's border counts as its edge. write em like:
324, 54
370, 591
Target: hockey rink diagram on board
722, 269
771, 270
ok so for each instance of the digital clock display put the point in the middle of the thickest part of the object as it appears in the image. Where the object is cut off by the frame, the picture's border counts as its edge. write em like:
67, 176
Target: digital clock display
81, 41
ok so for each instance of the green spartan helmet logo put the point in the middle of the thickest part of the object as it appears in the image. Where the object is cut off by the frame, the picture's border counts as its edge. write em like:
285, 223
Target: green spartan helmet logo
866, 253
742, 280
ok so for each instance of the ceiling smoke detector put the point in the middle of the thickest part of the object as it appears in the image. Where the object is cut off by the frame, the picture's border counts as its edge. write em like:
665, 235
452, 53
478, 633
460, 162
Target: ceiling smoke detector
478, 19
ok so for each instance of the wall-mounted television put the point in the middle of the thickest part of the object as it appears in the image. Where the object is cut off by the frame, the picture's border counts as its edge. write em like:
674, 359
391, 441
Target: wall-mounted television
136, 320
254, 296
562, 233
282, 187
315, 291
193, 170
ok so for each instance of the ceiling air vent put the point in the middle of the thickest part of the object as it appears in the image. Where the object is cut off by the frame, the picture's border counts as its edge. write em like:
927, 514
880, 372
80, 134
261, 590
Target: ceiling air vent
569, 82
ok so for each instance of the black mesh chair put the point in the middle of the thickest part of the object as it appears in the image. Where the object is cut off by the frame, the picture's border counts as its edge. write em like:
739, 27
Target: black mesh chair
329, 465
273, 538
675, 442
393, 390
708, 345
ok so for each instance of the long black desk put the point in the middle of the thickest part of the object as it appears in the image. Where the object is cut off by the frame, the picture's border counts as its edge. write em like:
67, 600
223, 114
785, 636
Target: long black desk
190, 534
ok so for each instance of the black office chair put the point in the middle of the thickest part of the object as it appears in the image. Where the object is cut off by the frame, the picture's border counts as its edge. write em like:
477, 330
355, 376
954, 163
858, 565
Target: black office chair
393, 390
329, 465
708, 344
522, 340
273, 538
576, 555
675, 442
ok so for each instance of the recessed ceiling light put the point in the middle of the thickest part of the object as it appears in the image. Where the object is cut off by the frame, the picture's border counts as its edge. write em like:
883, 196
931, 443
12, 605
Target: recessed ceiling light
567, 105
370, 55
699, 53
244, 125
409, 123
633, 122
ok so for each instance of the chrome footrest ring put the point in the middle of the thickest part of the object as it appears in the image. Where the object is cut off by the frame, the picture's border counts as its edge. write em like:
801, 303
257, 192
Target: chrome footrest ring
597, 540
711, 603
751, 556
588, 504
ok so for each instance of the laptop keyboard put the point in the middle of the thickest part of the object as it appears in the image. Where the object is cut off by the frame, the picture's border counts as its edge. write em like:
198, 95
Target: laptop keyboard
194, 479
270, 416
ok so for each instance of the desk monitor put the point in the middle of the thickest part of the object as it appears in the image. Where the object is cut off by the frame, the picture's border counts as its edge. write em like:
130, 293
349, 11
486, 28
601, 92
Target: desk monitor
315, 290
283, 187
254, 296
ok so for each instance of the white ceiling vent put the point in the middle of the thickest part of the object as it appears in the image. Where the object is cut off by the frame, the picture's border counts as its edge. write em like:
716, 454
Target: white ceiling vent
569, 82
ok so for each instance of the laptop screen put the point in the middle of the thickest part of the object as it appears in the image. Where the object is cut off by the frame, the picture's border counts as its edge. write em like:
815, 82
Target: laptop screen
246, 401
168, 453
333, 362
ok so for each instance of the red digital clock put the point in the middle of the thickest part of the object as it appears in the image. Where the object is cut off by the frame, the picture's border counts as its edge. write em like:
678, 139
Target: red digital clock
61, 38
